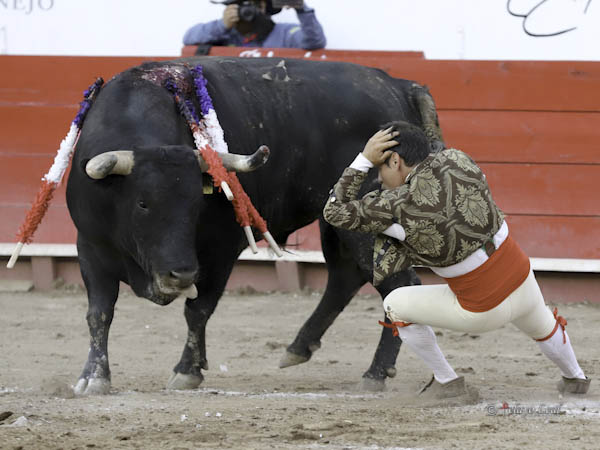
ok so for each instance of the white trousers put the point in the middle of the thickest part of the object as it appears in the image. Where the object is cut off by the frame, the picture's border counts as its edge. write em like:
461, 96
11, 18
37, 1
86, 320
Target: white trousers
437, 306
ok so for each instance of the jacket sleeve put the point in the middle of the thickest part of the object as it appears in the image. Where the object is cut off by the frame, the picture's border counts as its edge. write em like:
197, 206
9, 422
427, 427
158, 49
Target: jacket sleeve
371, 214
206, 33
308, 35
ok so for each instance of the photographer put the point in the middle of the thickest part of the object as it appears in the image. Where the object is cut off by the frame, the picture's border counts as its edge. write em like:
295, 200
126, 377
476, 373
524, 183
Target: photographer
249, 24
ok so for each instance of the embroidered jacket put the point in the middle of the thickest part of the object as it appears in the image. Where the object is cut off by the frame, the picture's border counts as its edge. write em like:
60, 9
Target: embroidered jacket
445, 207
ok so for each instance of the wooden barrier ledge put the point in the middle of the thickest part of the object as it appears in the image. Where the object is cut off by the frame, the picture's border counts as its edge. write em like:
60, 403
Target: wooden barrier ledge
41, 265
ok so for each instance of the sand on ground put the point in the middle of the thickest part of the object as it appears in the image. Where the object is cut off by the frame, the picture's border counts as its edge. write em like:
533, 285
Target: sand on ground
247, 402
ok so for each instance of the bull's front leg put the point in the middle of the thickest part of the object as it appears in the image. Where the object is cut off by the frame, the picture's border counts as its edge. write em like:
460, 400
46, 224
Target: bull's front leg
103, 290
188, 372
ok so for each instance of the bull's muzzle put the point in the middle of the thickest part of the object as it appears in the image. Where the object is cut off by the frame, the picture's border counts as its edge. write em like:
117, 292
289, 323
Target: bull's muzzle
121, 162
176, 283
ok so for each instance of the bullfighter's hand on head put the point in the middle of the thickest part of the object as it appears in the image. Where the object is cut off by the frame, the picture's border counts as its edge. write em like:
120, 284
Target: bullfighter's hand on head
377, 148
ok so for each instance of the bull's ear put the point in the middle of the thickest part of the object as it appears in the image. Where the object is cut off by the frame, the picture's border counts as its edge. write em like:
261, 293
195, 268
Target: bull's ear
118, 162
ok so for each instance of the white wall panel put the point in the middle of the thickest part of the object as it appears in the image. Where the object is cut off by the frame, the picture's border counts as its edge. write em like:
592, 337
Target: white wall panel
443, 29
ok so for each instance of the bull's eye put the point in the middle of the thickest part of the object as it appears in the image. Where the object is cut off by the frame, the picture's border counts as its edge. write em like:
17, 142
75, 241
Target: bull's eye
142, 204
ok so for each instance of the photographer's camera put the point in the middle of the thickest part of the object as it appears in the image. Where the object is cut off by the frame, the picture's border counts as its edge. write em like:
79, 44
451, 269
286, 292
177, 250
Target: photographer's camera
248, 11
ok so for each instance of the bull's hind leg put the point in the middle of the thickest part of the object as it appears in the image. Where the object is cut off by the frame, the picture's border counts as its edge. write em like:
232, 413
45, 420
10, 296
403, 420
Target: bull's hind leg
360, 248
349, 259
345, 278
103, 290
384, 360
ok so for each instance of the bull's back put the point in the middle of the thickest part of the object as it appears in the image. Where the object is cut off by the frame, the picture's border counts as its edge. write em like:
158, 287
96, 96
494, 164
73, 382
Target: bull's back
315, 117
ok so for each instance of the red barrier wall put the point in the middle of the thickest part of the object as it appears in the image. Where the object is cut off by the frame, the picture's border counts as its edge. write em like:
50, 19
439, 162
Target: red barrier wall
533, 126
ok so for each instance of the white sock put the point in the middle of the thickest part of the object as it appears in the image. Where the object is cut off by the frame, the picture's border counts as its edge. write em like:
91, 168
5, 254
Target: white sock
562, 354
421, 340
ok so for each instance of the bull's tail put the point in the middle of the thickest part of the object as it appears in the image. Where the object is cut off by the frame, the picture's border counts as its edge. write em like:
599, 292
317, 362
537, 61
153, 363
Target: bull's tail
423, 102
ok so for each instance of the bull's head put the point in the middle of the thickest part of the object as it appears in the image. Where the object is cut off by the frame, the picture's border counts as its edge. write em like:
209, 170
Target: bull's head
158, 206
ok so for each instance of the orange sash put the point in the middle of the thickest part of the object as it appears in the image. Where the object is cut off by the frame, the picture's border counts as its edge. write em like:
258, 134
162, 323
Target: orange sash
487, 286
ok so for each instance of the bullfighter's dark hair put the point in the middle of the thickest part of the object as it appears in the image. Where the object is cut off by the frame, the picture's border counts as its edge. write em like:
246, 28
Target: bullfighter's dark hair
413, 145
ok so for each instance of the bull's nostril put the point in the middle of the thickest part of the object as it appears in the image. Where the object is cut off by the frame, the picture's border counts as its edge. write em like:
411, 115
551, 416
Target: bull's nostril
184, 278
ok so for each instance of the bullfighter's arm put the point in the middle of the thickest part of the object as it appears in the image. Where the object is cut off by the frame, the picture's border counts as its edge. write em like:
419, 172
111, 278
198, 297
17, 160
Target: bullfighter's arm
371, 214
207, 33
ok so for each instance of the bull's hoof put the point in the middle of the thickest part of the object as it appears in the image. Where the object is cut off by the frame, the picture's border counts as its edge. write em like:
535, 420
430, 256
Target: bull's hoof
291, 359
92, 386
372, 384
182, 381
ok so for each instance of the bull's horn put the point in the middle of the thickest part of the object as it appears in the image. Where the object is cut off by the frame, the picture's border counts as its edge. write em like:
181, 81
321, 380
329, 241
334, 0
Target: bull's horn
239, 163
118, 162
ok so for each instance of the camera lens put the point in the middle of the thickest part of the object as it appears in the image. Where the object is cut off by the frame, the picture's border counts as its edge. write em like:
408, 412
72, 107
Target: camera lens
247, 11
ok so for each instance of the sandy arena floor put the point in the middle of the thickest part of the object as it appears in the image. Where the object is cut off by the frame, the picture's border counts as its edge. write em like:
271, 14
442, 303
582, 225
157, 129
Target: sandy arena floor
246, 402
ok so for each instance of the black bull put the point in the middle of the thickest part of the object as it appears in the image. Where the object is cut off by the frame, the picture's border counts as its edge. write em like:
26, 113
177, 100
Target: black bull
154, 229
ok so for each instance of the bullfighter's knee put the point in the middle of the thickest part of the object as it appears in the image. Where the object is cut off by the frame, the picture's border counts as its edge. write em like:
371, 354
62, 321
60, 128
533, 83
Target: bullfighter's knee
396, 305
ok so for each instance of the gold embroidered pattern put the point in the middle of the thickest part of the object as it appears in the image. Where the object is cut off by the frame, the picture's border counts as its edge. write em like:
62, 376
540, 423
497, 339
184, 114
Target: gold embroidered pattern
425, 188
471, 205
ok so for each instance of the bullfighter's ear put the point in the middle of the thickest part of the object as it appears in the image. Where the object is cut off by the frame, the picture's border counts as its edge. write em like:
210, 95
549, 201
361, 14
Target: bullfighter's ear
118, 162
436, 146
